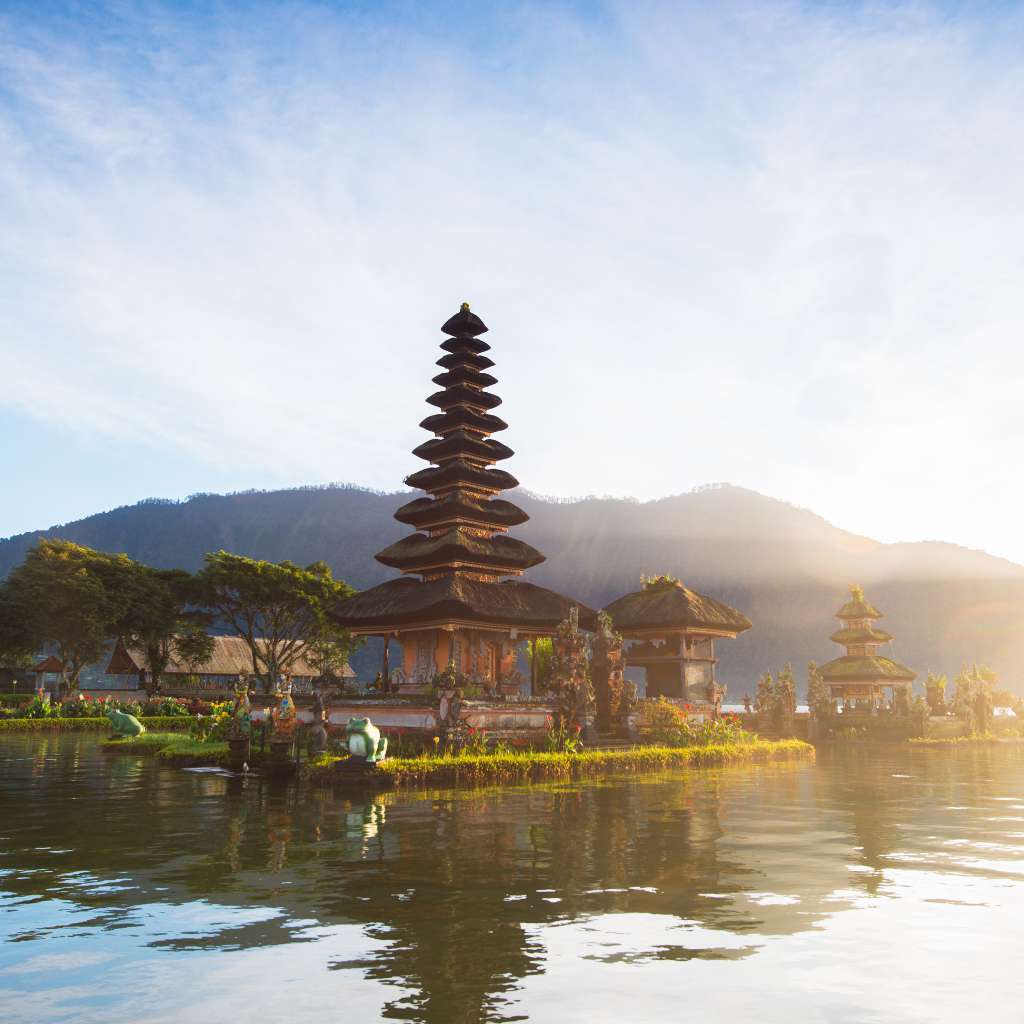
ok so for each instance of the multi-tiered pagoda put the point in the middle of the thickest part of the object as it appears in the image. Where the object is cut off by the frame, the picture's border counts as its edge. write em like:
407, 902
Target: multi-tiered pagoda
859, 679
454, 604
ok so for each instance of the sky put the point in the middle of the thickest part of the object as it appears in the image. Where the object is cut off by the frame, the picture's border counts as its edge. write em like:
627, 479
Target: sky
775, 244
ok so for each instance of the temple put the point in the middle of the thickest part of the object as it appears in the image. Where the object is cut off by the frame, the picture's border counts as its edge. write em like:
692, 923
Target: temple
674, 631
858, 680
459, 602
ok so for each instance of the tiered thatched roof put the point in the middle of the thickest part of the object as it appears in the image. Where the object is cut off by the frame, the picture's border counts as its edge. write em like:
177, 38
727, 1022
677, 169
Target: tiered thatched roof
864, 665
459, 600
462, 550
858, 607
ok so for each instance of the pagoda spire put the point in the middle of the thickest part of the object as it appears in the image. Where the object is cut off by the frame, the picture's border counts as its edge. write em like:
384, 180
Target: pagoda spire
462, 523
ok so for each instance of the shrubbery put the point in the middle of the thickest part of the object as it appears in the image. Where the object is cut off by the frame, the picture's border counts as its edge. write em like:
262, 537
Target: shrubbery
667, 725
87, 706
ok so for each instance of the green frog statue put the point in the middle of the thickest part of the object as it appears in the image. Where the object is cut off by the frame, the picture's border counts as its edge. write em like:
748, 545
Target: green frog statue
125, 725
365, 741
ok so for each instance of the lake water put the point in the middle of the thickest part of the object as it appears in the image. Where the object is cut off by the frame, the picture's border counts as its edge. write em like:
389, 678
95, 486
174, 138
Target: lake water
866, 887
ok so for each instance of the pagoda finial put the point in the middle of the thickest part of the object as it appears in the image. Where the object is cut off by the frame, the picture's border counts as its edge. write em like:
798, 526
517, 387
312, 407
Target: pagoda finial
464, 324
856, 592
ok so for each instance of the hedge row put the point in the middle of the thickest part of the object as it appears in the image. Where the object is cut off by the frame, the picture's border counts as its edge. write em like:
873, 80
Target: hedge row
161, 722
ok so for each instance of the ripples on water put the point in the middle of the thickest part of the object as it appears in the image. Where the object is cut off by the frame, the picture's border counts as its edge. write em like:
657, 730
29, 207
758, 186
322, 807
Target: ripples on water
868, 887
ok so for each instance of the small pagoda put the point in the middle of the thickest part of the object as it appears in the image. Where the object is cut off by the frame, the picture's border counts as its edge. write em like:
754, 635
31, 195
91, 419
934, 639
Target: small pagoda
673, 629
858, 681
459, 603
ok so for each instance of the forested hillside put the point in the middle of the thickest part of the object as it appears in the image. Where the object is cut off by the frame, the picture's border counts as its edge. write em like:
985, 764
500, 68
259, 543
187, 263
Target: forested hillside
785, 567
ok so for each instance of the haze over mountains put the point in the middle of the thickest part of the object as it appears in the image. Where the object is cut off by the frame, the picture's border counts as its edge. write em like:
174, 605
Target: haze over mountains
785, 567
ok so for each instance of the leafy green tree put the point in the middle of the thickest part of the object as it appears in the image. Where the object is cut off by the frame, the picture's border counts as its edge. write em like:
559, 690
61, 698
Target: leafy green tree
817, 693
764, 700
278, 608
972, 699
161, 619
935, 692
542, 650
63, 595
785, 689
328, 652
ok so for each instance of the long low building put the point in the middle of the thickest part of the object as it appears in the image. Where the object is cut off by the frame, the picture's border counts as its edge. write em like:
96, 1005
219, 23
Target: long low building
231, 658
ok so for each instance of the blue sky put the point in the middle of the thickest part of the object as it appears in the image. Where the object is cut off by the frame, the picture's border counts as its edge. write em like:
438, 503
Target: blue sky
771, 243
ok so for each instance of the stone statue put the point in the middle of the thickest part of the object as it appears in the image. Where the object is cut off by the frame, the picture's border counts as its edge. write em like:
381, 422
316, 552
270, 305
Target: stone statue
318, 731
365, 741
570, 675
449, 713
606, 664
284, 715
241, 712
125, 725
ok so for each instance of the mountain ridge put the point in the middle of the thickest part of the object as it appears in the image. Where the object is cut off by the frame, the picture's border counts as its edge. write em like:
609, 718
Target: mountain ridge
785, 567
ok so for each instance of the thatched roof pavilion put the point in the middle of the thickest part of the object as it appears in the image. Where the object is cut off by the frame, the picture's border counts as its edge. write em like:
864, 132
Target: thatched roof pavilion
461, 608
859, 678
671, 605
675, 629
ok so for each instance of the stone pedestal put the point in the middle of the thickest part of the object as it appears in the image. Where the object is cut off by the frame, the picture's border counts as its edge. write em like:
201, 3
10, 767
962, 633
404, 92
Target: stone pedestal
239, 752
280, 762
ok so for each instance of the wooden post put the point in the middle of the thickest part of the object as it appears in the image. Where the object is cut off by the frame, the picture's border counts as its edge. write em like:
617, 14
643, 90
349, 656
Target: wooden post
533, 666
385, 670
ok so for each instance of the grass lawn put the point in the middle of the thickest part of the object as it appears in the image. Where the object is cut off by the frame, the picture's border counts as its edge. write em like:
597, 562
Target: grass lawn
528, 766
171, 747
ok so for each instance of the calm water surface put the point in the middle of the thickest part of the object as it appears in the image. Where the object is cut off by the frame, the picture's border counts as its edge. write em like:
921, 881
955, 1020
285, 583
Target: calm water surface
863, 888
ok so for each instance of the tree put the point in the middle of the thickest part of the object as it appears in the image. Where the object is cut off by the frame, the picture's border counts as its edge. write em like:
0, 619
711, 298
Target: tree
817, 693
764, 700
541, 650
62, 595
278, 608
935, 693
329, 651
161, 619
972, 699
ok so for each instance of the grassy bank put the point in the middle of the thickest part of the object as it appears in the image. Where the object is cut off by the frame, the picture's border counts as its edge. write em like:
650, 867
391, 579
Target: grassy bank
975, 739
170, 747
489, 769
163, 724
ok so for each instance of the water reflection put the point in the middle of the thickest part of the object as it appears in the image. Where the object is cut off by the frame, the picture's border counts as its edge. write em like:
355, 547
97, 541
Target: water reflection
465, 907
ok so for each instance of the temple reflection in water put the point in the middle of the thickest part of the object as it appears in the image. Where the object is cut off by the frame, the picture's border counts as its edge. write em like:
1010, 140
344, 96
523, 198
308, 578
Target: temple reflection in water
456, 895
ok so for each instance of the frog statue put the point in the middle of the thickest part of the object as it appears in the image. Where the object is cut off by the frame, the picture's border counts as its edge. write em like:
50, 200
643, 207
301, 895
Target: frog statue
125, 725
364, 740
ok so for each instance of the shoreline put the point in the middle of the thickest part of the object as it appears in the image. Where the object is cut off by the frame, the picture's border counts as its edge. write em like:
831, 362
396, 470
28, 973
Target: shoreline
977, 740
488, 769
162, 723
468, 770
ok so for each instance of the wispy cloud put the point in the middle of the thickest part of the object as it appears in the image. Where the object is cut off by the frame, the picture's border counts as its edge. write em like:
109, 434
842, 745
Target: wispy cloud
777, 244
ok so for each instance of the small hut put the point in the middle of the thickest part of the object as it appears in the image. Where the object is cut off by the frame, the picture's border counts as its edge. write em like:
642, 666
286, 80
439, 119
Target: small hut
858, 681
674, 629
49, 672
453, 606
